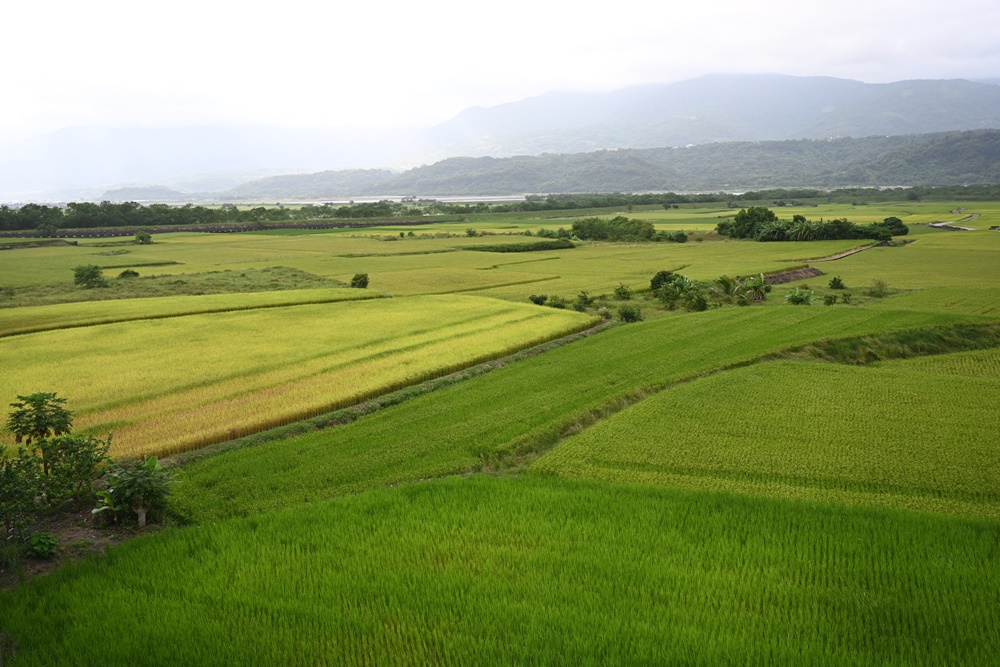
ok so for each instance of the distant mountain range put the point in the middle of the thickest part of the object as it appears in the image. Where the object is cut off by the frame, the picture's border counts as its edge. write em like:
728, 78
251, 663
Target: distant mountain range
711, 109
720, 108
950, 158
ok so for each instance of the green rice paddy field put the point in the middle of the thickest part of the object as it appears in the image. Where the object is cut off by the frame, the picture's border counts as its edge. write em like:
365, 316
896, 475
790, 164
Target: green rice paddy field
681, 490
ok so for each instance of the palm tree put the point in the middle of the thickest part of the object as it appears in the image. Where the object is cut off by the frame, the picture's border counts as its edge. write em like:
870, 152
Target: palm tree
729, 290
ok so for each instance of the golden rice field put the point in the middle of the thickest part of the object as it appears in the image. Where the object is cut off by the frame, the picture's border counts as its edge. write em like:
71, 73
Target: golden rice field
31, 319
169, 385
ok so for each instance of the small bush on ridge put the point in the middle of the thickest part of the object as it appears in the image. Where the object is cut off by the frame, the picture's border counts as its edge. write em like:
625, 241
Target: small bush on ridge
622, 292
629, 313
799, 297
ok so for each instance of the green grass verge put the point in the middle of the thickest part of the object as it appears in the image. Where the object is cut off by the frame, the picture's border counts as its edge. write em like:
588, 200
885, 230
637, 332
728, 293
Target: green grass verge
528, 571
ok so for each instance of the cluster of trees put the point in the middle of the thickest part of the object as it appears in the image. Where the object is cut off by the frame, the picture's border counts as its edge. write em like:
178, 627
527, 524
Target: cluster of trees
50, 469
85, 215
677, 291
618, 228
621, 228
762, 224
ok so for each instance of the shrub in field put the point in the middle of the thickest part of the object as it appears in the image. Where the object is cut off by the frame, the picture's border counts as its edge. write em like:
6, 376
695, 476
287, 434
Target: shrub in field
66, 465
470, 232
89, 276
846, 297
43, 545
799, 297
360, 280
622, 292
135, 485
672, 237
672, 290
538, 299
695, 301
70, 464
629, 313
894, 226
583, 301
143, 238
757, 287
129, 273
18, 489
879, 289
560, 233
669, 295
54, 470
727, 290
660, 279
829, 299
740, 291
38, 416
837, 283
557, 302
684, 292
604, 312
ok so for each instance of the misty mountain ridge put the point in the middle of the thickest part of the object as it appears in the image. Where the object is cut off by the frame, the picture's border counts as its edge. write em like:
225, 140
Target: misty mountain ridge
709, 109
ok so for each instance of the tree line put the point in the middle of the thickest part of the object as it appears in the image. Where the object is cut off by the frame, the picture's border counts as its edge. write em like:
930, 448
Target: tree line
87, 215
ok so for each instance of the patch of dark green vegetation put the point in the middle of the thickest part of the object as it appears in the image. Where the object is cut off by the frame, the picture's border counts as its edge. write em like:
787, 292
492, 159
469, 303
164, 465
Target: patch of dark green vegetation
762, 224
139, 264
863, 350
354, 255
12, 244
271, 279
558, 244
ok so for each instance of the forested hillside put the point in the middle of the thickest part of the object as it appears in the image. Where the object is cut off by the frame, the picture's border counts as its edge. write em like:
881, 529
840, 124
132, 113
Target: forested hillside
951, 158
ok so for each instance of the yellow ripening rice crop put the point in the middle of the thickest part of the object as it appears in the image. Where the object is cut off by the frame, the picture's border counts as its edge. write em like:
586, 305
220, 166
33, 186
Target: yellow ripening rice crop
169, 385
30, 319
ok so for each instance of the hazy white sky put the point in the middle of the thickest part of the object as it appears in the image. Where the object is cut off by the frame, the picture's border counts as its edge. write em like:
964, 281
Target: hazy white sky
394, 63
